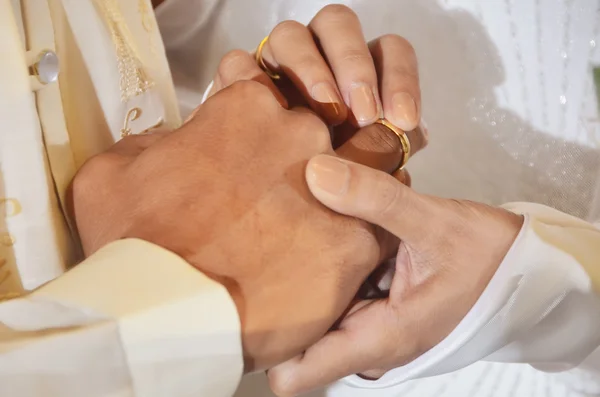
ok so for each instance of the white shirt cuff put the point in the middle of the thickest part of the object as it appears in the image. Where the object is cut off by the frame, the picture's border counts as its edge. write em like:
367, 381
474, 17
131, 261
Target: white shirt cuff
538, 298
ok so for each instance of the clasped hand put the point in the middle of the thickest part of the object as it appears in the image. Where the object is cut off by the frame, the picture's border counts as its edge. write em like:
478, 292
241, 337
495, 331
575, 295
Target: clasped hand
241, 192
227, 192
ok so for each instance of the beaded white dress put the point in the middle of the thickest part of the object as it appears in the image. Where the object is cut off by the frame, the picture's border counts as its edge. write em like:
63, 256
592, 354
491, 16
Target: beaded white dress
510, 102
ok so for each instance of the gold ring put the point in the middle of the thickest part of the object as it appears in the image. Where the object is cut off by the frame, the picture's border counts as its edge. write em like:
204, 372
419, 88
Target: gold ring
261, 62
404, 142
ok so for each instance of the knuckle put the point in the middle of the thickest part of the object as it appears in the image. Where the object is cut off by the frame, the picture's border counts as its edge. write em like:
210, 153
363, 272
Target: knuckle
397, 43
249, 89
353, 55
234, 63
250, 94
311, 65
336, 12
317, 130
391, 198
91, 175
284, 31
281, 381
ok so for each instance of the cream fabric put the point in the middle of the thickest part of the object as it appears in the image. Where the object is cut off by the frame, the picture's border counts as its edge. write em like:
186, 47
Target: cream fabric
52, 131
133, 320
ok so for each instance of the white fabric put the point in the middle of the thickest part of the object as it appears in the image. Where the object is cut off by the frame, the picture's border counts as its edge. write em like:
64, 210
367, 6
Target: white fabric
510, 104
541, 307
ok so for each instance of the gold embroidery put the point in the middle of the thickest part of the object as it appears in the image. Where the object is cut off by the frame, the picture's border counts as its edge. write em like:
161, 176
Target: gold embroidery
147, 18
132, 115
16, 206
149, 24
133, 79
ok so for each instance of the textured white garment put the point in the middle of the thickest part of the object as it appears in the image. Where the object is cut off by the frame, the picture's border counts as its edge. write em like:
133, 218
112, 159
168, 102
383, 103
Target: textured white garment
509, 101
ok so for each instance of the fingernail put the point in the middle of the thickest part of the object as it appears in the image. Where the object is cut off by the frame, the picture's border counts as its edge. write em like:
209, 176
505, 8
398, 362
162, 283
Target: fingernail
329, 175
404, 111
363, 104
328, 98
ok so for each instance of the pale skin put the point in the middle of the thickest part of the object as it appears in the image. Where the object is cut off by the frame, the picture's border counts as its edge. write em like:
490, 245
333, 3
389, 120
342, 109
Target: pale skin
450, 250
331, 55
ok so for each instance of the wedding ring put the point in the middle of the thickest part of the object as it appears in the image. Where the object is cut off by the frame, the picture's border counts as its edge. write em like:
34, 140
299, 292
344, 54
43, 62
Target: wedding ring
261, 62
404, 142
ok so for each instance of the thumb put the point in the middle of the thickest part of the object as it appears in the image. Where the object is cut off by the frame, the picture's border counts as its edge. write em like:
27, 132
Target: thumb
374, 196
357, 346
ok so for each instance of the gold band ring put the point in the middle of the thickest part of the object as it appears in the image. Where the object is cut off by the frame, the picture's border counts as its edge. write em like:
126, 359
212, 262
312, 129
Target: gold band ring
404, 142
261, 62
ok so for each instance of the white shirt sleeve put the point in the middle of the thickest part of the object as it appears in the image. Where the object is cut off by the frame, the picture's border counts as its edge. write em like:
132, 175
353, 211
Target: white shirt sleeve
132, 320
542, 306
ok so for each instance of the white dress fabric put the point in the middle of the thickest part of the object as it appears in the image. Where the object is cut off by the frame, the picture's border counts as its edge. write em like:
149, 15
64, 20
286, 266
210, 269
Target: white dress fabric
509, 99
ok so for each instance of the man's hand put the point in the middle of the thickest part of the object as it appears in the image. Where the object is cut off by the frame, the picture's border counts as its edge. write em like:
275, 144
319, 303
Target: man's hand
450, 250
227, 193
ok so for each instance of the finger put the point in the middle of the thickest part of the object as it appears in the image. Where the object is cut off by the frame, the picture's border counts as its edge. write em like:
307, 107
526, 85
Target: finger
341, 39
239, 65
356, 347
403, 176
396, 64
374, 196
291, 50
378, 147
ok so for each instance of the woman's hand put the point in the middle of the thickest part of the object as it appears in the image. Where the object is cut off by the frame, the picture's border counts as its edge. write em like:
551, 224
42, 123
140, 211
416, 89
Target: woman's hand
449, 252
330, 55
328, 66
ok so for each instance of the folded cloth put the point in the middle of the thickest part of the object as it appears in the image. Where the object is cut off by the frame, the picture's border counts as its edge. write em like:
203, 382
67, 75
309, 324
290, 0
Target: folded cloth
482, 379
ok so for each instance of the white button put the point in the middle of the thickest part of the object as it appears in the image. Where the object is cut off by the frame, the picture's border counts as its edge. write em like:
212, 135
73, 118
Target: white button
47, 67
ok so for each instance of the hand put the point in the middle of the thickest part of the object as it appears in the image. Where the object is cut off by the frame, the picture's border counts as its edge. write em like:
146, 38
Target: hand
227, 193
328, 66
449, 252
373, 145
